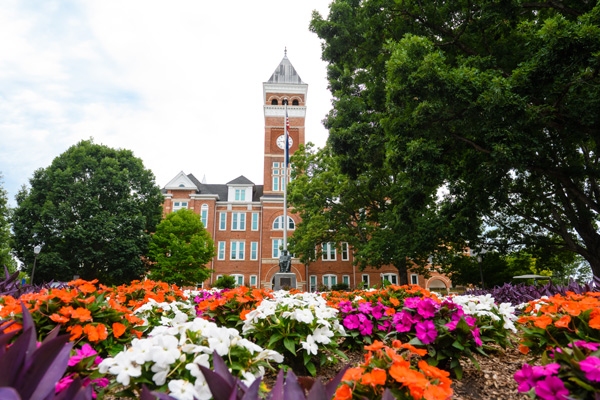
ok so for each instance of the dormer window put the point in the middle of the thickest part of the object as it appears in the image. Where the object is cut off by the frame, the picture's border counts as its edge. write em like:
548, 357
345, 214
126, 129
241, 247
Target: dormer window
240, 195
294, 102
181, 185
274, 102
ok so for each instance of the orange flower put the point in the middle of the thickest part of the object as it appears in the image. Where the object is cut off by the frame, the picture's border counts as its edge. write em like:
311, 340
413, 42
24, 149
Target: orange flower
88, 300
433, 392
595, 319
375, 346
136, 333
394, 301
59, 318
14, 327
375, 377
413, 349
76, 331
433, 372
66, 311
353, 374
102, 332
523, 349
543, 321
563, 322
118, 329
82, 314
87, 288
91, 332
243, 314
343, 393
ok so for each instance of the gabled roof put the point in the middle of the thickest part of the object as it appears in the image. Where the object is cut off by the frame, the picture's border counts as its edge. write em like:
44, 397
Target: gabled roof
285, 73
241, 180
181, 182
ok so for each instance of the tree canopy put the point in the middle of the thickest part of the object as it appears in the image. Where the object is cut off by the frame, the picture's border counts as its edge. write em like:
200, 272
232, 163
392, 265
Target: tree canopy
92, 210
180, 249
490, 110
5, 256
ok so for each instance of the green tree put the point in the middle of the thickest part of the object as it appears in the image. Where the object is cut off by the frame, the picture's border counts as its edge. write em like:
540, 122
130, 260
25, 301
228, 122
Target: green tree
180, 249
5, 249
497, 104
92, 210
335, 208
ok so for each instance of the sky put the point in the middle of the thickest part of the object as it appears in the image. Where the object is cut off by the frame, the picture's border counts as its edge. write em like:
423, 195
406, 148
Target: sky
179, 83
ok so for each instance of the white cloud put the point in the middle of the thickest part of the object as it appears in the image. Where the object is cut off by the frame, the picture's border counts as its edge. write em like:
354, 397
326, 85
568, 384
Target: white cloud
178, 83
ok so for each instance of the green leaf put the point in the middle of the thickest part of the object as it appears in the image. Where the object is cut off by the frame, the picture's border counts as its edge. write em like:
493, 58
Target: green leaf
457, 345
310, 367
290, 344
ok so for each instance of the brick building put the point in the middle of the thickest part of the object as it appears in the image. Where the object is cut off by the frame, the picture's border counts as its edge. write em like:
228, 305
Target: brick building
246, 219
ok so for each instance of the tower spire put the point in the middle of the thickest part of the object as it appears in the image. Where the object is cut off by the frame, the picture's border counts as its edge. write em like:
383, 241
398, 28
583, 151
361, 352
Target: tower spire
285, 51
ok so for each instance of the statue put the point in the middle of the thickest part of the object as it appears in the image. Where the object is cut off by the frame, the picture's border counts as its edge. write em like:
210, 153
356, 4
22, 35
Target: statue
285, 262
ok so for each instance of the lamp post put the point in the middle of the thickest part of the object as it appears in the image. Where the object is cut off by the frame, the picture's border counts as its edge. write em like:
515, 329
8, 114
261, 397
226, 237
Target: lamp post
480, 260
36, 251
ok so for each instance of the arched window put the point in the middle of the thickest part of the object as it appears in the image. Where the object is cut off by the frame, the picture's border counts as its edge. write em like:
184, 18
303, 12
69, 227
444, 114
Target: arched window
294, 102
204, 214
274, 102
278, 223
284, 102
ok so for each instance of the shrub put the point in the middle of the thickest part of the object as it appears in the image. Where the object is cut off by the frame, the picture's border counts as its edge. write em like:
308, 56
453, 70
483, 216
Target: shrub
225, 282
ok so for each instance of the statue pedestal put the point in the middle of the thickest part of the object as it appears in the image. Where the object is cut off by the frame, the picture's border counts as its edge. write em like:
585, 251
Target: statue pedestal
285, 281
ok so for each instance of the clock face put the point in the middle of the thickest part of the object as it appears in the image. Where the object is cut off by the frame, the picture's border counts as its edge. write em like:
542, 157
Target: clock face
281, 141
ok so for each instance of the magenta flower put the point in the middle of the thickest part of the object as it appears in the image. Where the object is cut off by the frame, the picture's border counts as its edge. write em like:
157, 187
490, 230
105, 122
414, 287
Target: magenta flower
471, 321
377, 312
475, 333
365, 307
427, 308
527, 377
366, 326
426, 332
85, 351
346, 307
385, 326
412, 302
351, 322
452, 325
591, 367
63, 384
403, 321
585, 345
551, 388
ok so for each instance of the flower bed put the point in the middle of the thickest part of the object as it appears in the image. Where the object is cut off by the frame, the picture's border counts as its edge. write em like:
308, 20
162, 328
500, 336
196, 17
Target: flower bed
153, 334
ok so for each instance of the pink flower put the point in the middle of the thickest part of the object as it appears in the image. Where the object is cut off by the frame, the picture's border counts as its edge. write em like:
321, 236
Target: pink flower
63, 384
585, 345
85, 351
551, 388
471, 321
403, 321
475, 333
366, 326
427, 308
412, 302
346, 307
591, 367
351, 322
365, 307
377, 311
527, 377
426, 332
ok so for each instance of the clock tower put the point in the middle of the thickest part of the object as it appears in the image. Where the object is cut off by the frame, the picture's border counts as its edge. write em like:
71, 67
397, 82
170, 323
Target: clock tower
283, 88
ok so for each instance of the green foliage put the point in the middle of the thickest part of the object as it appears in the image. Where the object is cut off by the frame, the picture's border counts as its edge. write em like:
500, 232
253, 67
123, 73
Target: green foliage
225, 282
5, 256
336, 208
180, 249
494, 104
93, 210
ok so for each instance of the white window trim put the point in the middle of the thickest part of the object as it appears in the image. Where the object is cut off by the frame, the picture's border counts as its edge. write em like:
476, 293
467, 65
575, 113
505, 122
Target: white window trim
252, 244
347, 256
368, 281
331, 277
273, 249
279, 222
222, 221
236, 276
415, 276
237, 250
388, 276
346, 278
255, 279
312, 287
257, 216
204, 219
325, 255
224, 244
238, 220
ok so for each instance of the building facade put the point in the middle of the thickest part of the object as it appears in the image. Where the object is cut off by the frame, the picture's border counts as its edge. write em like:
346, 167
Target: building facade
246, 220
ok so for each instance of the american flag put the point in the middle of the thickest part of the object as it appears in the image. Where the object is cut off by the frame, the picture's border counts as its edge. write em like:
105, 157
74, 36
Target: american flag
287, 136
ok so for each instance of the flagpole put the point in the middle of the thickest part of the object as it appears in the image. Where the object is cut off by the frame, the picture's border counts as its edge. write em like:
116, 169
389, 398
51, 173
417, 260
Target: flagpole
285, 179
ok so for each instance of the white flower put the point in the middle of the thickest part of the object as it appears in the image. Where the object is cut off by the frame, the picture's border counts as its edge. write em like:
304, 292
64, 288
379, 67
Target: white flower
160, 374
124, 369
322, 335
182, 389
303, 315
166, 350
310, 345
